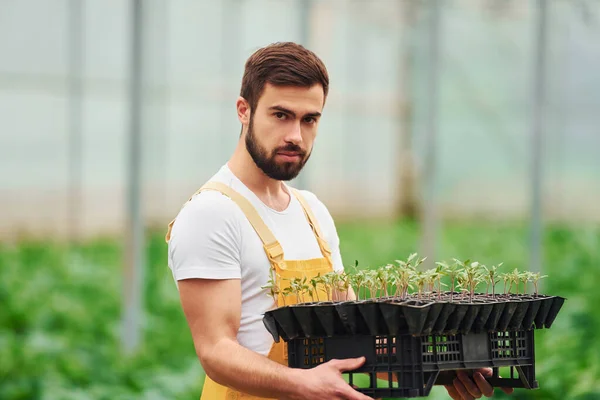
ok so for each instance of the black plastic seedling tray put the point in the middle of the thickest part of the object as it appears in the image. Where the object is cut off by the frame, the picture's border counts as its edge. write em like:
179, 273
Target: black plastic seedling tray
415, 344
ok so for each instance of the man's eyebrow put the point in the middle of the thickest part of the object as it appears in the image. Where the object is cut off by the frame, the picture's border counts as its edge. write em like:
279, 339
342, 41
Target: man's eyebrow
293, 114
313, 114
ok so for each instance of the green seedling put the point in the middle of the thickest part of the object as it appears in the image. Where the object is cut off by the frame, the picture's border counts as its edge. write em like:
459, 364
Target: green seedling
343, 284
314, 283
358, 280
421, 281
274, 289
405, 273
492, 278
452, 271
396, 280
535, 279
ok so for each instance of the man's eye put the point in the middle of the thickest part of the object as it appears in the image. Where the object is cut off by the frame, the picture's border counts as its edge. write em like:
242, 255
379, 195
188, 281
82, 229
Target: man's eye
279, 115
309, 120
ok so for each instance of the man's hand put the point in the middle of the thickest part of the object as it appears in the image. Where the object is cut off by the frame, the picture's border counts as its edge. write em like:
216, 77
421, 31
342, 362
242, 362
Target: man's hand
465, 388
325, 382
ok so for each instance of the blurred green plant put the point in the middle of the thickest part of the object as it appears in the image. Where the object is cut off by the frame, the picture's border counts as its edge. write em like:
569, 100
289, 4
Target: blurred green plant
59, 327
60, 311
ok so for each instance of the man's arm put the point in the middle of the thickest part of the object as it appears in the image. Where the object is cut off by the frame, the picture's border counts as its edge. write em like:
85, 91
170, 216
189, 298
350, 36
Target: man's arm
205, 258
212, 309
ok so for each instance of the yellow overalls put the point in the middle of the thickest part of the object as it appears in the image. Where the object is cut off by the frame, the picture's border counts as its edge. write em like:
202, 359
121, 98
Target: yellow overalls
284, 269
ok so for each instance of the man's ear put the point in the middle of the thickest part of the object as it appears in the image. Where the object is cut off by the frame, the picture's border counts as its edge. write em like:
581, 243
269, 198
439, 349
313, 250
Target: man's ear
243, 110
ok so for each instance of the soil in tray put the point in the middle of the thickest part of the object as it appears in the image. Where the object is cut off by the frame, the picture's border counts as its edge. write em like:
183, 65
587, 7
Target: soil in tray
459, 297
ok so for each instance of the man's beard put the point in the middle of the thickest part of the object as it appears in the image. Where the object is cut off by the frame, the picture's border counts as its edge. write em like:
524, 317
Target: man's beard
284, 171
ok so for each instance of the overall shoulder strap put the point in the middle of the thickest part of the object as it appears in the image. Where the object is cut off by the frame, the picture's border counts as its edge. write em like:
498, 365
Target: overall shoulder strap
314, 224
272, 247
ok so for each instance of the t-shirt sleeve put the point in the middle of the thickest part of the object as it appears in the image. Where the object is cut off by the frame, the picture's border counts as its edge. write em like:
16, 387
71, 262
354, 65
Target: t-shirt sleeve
205, 239
328, 228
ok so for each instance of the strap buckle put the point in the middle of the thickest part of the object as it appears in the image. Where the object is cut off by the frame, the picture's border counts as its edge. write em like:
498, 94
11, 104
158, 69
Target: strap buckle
274, 252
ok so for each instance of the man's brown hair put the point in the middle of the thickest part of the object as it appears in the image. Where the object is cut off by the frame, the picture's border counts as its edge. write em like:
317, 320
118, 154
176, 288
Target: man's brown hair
282, 64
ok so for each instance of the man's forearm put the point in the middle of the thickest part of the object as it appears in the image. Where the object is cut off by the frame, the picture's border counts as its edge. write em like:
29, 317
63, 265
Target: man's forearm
232, 365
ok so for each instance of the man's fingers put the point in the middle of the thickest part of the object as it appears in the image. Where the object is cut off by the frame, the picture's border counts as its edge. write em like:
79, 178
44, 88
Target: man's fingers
468, 384
453, 393
460, 388
507, 390
487, 372
348, 364
484, 386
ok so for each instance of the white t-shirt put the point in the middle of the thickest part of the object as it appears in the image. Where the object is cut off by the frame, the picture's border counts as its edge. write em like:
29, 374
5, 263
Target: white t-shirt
212, 239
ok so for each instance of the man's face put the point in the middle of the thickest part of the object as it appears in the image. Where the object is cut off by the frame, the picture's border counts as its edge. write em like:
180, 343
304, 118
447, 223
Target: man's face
282, 129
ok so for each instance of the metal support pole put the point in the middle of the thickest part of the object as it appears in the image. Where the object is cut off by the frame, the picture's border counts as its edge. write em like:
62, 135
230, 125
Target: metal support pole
301, 180
407, 202
539, 111
135, 233
154, 58
430, 169
75, 116
232, 29
305, 10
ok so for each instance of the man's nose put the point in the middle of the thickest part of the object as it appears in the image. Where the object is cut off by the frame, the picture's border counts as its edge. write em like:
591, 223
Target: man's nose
294, 135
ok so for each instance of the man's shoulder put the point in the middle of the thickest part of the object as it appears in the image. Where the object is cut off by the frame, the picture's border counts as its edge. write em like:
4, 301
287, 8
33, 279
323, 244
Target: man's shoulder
208, 210
210, 203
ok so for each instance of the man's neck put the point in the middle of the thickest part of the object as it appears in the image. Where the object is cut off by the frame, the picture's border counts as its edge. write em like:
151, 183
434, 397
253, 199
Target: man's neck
270, 191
